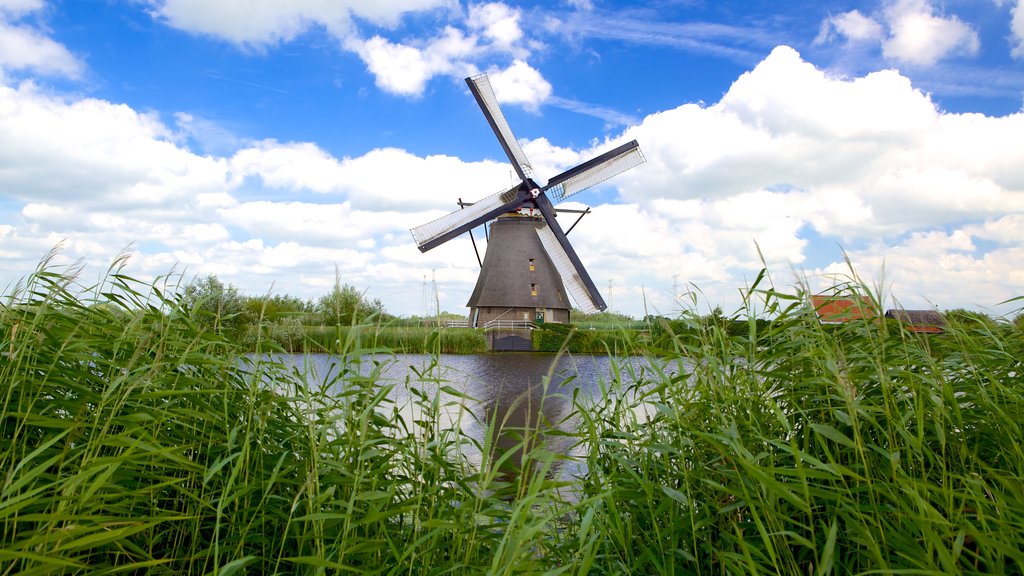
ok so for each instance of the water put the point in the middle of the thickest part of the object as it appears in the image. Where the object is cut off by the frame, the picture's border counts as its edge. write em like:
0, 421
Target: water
519, 392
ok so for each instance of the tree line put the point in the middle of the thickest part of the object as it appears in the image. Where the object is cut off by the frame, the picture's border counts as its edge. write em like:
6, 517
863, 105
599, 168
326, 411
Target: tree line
225, 309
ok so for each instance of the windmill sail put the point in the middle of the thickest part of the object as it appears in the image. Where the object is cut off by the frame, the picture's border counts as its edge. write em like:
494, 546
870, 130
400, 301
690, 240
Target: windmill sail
480, 86
445, 228
517, 278
595, 171
574, 276
573, 282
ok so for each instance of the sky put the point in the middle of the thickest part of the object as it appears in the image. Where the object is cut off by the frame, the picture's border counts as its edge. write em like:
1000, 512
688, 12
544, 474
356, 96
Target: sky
284, 146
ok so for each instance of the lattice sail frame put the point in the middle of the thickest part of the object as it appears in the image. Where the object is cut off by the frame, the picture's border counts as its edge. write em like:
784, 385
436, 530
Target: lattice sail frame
572, 281
570, 269
484, 95
589, 178
435, 228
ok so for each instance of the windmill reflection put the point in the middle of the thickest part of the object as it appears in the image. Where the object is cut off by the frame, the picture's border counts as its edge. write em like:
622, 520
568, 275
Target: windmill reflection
522, 411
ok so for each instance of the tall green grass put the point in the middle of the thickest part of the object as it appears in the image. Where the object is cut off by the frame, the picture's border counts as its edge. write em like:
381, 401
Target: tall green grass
798, 449
134, 441
398, 339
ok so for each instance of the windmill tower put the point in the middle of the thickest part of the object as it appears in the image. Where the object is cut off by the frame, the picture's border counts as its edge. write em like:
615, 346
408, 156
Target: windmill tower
530, 271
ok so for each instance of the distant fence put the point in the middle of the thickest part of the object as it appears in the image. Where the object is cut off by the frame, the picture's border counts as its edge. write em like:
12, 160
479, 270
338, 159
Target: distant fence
510, 325
525, 325
495, 324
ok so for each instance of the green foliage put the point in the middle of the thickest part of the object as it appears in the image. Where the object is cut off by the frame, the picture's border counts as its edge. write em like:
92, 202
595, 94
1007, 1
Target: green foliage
277, 307
571, 338
215, 305
399, 339
344, 305
134, 438
969, 319
797, 448
137, 440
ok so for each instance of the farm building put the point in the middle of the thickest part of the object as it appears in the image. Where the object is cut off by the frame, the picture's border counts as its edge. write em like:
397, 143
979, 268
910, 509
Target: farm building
923, 321
839, 309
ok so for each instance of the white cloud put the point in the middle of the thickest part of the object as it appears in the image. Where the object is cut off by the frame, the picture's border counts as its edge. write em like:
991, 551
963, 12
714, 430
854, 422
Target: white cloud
23, 47
260, 24
1017, 30
919, 37
852, 25
385, 178
19, 7
868, 162
399, 67
94, 152
872, 154
790, 148
909, 32
520, 84
405, 69
935, 269
498, 23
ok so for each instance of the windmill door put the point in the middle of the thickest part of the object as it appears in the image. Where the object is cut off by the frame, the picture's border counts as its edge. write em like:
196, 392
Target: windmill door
539, 317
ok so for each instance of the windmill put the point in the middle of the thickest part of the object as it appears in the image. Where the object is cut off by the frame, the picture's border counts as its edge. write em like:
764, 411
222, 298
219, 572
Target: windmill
529, 265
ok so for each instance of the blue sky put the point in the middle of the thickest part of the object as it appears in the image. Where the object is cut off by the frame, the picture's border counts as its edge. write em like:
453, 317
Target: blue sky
279, 144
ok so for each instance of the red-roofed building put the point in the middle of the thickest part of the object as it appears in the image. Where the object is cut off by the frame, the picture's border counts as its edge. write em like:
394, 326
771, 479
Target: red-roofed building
838, 309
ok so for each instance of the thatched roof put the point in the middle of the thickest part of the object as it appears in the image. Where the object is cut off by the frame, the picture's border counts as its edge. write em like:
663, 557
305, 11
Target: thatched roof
506, 279
919, 320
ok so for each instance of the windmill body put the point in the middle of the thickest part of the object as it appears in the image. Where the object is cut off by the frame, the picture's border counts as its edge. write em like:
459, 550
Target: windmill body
518, 282
530, 271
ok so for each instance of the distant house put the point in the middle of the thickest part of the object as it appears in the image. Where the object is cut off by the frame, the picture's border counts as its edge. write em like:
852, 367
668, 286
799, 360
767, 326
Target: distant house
923, 321
837, 309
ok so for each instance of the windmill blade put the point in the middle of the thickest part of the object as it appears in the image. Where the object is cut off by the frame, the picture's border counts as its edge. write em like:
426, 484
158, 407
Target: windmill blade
437, 232
574, 276
595, 171
480, 86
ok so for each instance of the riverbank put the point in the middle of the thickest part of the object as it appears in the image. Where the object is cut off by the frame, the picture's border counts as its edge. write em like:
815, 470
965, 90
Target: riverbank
134, 440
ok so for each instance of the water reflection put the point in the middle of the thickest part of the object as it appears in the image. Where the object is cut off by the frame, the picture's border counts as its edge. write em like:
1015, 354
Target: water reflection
526, 397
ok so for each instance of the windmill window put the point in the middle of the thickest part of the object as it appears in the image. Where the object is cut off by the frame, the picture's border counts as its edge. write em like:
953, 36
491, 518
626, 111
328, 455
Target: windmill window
533, 289
532, 266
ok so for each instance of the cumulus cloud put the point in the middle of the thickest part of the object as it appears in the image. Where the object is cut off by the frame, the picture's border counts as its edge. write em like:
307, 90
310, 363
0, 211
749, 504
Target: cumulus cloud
788, 153
863, 161
26, 48
853, 26
490, 29
919, 37
520, 84
402, 67
1017, 30
405, 69
380, 179
499, 24
908, 32
873, 153
259, 24
94, 152
19, 7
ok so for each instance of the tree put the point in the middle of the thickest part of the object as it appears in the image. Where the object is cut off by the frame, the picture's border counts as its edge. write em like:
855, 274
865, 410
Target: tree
346, 305
277, 308
969, 318
214, 304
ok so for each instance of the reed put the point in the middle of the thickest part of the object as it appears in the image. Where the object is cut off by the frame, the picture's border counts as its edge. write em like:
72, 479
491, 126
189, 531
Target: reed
383, 335
135, 441
799, 449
